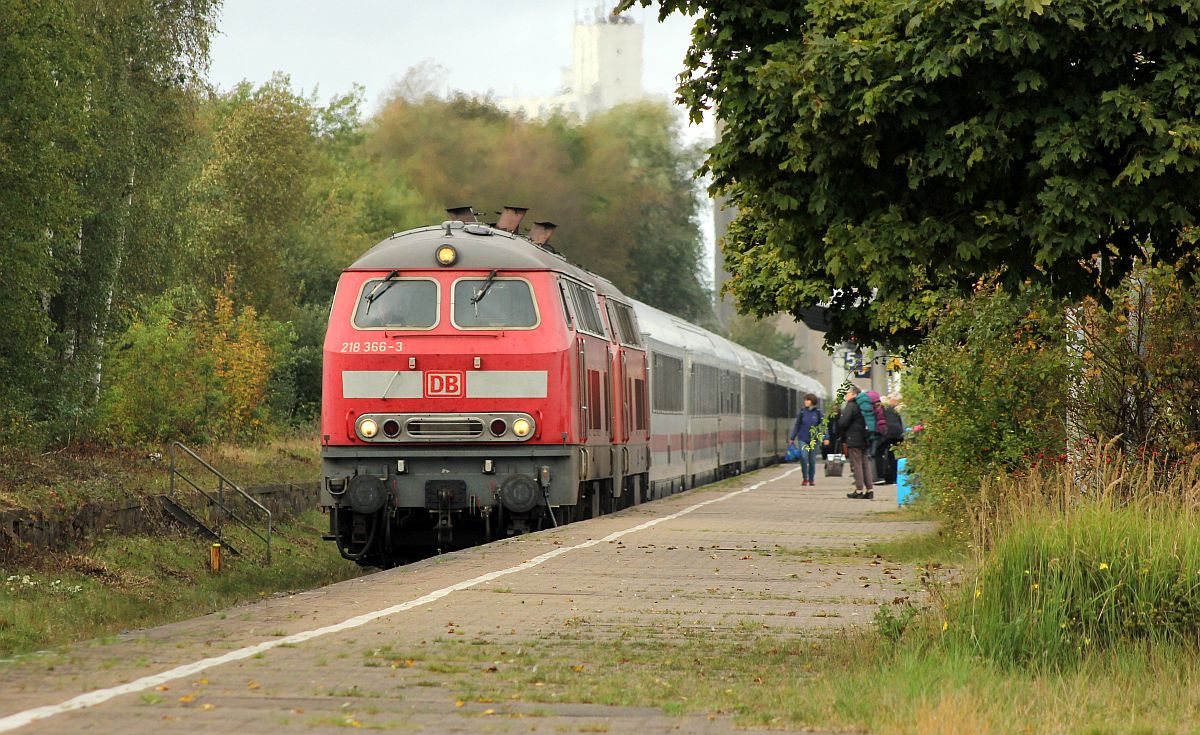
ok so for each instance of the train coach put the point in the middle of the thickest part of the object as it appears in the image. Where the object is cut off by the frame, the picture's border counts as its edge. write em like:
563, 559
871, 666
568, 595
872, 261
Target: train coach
476, 384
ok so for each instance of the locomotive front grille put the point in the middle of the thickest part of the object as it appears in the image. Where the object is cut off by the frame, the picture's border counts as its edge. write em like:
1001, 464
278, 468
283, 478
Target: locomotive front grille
444, 428
398, 428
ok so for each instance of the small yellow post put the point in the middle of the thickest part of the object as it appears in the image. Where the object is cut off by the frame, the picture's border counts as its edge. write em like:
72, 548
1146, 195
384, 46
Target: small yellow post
214, 558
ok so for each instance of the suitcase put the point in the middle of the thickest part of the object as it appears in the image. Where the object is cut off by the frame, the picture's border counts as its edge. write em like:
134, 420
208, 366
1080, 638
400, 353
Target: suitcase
834, 465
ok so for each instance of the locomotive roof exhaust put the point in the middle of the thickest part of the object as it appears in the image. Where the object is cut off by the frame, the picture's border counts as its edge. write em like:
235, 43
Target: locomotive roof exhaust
462, 214
510, 218
541, 231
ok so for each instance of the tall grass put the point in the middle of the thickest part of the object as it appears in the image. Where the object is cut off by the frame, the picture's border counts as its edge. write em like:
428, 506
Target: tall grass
1083, 556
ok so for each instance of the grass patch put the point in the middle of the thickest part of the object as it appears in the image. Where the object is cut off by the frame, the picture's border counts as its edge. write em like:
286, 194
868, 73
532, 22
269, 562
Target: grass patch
939, 547
127, 582
61, 482
1095, 576
865, 680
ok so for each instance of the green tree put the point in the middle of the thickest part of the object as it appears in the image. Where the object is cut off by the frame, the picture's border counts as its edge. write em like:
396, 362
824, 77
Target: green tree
43, 59
97, 97
248, 204
761, 336
147, 60
885, 152
619, 184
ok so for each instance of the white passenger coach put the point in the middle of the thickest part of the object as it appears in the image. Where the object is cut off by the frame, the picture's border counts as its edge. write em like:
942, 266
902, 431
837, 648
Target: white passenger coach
716, 408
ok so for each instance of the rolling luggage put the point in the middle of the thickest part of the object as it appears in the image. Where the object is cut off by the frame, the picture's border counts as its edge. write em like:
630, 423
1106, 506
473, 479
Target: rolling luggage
835, 464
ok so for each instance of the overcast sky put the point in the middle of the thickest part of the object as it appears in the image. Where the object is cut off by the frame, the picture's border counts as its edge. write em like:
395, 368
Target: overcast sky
508, 48
511, 48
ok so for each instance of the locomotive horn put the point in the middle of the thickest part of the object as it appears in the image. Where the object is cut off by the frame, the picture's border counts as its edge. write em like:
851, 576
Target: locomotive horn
541, 231
462, 214
510, 218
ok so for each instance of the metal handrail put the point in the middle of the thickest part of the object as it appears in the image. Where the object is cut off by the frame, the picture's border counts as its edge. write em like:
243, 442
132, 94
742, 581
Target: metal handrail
219, 501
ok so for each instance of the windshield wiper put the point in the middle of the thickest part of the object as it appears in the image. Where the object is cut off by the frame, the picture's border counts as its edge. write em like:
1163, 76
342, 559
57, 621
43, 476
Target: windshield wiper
483, 291
380, 289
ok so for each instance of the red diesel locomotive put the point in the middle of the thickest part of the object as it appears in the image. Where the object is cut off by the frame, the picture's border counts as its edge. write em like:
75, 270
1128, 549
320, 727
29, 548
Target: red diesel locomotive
476, 384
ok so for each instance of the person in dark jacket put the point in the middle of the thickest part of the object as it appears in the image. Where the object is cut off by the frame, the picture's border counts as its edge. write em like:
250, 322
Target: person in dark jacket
832, 443
853, 428
885, 467
804, 433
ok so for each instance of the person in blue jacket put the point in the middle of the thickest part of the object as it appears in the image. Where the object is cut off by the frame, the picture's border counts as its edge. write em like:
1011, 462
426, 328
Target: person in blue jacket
806, 432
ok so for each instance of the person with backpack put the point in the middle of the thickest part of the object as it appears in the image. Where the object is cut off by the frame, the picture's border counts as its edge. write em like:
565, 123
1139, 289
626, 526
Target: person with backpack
804, 435
893, 435
872, 407
852, 424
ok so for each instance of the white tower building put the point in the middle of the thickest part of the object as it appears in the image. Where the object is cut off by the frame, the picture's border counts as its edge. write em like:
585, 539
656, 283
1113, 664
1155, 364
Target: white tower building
605, 71
606, 63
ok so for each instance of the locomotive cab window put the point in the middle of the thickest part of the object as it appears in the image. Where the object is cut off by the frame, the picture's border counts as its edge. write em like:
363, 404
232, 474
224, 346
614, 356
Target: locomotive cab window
493, 303
397, 303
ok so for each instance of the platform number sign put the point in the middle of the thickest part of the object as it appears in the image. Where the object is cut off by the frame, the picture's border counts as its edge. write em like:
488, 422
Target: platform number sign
445, 385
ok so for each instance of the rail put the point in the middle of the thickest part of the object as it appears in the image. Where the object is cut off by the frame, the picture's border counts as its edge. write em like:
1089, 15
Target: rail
219, 502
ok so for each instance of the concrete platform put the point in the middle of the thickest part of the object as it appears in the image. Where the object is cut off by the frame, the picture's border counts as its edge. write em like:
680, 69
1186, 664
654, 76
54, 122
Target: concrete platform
710, 559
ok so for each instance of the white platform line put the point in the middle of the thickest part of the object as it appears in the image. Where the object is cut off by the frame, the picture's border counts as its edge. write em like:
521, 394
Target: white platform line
99, 696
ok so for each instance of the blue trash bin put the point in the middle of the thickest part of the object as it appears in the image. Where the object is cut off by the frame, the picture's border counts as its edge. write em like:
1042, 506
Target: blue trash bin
904, 490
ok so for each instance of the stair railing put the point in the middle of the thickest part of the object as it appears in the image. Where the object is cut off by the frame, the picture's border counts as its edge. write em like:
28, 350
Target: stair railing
219, 501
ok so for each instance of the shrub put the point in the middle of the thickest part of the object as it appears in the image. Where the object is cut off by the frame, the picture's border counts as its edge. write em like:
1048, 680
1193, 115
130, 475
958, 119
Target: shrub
1139, 371
185, 371
161, 380
990, 386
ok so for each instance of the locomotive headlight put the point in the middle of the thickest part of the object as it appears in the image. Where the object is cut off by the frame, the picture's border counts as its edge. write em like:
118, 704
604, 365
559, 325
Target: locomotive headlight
522, 427
368, 428
446, 254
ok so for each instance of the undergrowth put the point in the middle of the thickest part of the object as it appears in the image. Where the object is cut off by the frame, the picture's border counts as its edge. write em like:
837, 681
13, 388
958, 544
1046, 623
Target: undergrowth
1094, 554
126, 582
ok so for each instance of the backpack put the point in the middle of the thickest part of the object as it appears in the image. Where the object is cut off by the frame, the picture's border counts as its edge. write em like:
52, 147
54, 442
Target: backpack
877, 409
868, 413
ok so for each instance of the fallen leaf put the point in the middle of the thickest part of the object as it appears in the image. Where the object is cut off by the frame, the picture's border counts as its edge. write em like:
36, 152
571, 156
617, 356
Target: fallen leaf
207, 706
162, 687
459, 703
253, 685
187, 698
489, 711
577, 668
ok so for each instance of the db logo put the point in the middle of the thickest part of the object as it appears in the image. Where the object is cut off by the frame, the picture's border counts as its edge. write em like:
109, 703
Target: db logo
444, 385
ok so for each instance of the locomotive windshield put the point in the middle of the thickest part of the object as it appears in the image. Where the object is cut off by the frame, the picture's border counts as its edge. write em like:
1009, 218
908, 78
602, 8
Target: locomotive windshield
397, 304
493, 303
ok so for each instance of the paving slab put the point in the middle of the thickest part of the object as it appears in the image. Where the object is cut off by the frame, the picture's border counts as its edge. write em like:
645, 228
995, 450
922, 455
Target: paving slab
759, 551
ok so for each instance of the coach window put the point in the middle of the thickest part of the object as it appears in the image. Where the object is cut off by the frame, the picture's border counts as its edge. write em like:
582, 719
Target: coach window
397, 303
493, 303
667, 376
